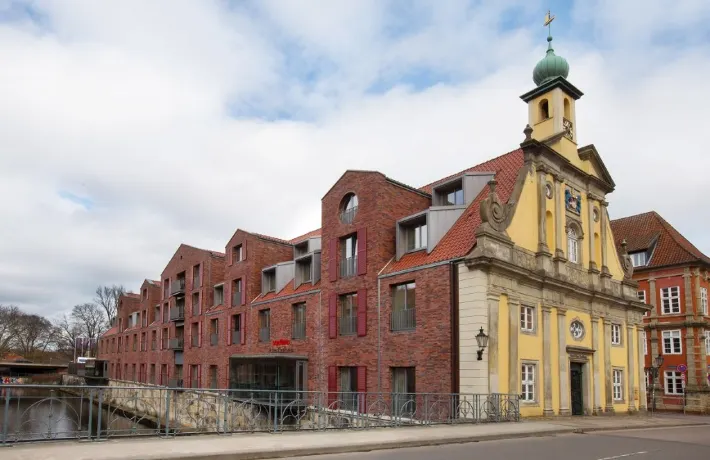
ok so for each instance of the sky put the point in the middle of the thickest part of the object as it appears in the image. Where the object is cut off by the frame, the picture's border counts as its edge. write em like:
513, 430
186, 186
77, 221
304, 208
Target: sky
128, 127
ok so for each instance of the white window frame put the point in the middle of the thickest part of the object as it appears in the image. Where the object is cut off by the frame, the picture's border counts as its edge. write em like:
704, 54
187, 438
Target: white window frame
677, 381
707, 342
645, 343
704, 300
672, 336
641, 295
528, 373
638, 259
616, 334
668, 296
572, 245
618, 385
527, 318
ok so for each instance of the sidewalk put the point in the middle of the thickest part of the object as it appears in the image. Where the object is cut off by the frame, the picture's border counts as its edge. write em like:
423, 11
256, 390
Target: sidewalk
264, 445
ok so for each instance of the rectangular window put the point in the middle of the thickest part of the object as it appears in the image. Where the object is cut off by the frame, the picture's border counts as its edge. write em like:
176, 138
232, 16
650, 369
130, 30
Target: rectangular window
348, 314
134, 342
214, 331
616, 334
237, 292
264, 325
144, 316
237, 253
645, 343
152, 374
618, 388
213, 378
638, 259
236, 330
572, 246
416, 237
163, 374
527, 318
166, 312
348, 256
670, 299
527, 379
672, 344
403, 391
707, 343
194, 376
156, 313
704, 300
348, 387
403, 307
196, 281
455, 196
218, 295
165, 338
195, 334
673, 383
641, 295
299, 321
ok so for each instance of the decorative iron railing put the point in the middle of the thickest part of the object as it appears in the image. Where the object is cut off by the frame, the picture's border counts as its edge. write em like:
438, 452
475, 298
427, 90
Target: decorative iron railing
403, 320
348, 325
177, 343
42, 412
177, 313
348, 267
177, 286
348, 215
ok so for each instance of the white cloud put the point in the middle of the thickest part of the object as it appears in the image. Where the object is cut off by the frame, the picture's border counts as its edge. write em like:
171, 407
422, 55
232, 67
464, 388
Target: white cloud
131, 106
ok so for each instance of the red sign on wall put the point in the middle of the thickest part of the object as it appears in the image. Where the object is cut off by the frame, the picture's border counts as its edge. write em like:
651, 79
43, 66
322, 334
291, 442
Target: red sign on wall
281, 346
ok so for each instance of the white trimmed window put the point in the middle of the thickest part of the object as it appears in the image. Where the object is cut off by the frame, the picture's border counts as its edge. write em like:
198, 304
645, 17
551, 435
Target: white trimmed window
528, 382
616, 334
527, 318
618, 387
645, 343
673, 383
572, 245
641, 296
670, 299
672, 344
704, 300
707, 342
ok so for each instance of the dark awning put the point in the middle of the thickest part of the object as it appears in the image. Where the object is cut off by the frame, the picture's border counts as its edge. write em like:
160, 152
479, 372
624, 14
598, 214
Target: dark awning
270, 356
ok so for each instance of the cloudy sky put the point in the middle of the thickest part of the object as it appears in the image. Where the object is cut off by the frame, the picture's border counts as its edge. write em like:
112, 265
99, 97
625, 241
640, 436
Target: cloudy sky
128, 127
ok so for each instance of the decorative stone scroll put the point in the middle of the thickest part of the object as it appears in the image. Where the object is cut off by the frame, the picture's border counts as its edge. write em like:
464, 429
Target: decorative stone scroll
494, 213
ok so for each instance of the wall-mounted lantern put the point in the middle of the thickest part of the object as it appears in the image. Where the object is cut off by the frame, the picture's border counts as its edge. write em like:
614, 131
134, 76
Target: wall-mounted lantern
482, 340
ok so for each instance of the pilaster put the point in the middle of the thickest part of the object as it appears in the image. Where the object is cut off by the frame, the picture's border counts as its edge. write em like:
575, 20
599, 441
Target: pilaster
513, 334
564, 361
559, 253
590, 232
493, 346
603, 219
641, 374
652, 297
631, 358
547, 360
596, 362
609, 402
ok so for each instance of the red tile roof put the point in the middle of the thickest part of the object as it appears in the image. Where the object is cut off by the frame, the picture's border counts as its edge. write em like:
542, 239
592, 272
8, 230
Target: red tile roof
269, 238
311, 234
287, 291
111, 331
642, 231
460, 238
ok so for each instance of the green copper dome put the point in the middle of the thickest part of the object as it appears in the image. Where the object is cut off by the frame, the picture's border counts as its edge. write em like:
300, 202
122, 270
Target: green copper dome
551, 66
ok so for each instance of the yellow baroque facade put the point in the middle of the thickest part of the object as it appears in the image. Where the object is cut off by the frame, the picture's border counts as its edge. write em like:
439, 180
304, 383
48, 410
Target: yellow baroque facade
544, 279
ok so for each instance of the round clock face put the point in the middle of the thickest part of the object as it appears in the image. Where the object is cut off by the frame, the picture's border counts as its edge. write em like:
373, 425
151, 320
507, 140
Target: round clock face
548, 190
577, 330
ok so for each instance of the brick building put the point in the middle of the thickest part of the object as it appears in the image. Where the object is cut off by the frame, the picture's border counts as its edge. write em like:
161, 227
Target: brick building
673, 279
389, 294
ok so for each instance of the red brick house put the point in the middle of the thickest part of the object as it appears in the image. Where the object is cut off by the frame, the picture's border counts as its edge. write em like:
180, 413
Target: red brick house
673, 279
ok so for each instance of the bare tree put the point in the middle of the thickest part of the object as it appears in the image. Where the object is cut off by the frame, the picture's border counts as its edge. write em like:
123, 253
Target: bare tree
68, 330
33, 334
107, 298
9, 315
90, 318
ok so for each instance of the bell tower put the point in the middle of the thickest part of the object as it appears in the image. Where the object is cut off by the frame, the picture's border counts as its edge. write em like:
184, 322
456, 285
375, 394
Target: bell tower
551, 104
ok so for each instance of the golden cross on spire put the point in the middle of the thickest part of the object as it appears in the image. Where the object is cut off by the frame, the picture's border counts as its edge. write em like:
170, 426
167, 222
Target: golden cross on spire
548, 20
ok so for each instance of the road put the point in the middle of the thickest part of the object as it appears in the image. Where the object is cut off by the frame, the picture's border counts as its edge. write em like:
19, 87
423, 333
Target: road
686, 443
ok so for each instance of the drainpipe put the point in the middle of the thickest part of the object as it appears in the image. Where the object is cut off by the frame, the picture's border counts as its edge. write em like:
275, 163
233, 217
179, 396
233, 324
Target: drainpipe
454, 283
379, 330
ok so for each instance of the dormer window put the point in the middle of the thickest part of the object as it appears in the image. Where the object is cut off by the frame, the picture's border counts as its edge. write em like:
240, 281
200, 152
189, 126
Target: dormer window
638, 259
237, 254
455, 196
348, 208
268, 281
416, 237
449, 194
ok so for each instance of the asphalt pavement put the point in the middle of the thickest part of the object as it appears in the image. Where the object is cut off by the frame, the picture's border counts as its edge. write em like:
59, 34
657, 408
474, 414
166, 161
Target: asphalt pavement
685, 443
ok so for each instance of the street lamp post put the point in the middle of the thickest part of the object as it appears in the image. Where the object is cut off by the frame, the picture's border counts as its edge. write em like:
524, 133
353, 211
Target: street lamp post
653, 371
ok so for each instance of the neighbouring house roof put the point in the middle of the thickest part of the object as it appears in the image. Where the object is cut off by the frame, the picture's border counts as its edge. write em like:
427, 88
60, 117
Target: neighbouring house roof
311, 234
460, 238
651, 232
111, 331
287, 290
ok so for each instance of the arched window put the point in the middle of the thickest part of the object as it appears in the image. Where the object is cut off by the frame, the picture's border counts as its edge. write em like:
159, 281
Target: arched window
568, 113
572, 245
544, 110
348, 208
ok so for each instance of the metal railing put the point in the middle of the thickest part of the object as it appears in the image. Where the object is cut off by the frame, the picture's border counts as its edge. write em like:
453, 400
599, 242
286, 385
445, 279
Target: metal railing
348, 325
264, 334
32, 413
236, 338
236, 298
347, 216
214, 338
177, 343
403, 320
348, 267
195, 340
298, 330
177, 286
177, 313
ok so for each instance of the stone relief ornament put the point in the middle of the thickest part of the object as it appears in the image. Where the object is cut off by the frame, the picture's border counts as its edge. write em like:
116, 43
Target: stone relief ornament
573, 201
595, 214
576, 329
548, 190
626, 263
493, 211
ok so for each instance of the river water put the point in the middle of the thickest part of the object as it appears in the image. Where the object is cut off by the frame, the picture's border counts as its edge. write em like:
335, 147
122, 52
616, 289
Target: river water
32, 414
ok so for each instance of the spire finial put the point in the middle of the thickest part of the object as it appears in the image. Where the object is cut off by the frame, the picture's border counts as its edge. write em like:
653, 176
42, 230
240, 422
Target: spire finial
548, 23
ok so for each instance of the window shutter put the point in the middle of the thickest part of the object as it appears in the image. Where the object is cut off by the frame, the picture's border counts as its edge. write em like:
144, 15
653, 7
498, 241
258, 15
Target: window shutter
333, 260
361, 312
244, 249
332, 386
362, 251
199, 334
362, 387
229, 330
242, 328
244, 290
333, 315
